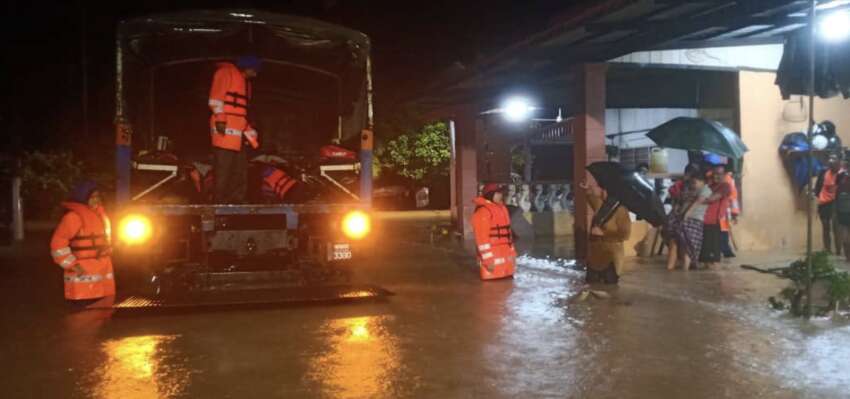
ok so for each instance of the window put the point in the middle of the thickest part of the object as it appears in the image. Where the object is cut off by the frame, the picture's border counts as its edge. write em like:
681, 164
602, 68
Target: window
632, 157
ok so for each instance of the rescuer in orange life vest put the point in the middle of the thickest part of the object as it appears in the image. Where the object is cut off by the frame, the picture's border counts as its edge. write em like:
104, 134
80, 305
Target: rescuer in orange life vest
229, 97
491, 223
81, 245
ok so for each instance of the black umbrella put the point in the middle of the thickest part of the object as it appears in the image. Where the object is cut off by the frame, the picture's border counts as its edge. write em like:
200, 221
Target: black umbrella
698, 134
630, 189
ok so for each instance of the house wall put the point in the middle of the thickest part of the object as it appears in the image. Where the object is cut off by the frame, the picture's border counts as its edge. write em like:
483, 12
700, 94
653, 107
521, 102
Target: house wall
774, 217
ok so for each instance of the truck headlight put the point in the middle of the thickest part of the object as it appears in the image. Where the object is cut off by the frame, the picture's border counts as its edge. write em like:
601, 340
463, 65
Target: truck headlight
356, 225
135, 229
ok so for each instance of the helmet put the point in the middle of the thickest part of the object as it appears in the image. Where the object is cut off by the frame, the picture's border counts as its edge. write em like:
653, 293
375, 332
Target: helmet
249, 62
491, 188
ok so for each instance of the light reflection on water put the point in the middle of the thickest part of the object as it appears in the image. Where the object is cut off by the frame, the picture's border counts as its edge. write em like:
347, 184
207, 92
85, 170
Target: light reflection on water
533, 328
361, 359
822, 361
139, 367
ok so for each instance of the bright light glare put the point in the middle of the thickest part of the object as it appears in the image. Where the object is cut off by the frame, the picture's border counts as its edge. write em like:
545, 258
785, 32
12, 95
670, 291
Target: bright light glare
517, 109
356, 225
835, 26
135, 229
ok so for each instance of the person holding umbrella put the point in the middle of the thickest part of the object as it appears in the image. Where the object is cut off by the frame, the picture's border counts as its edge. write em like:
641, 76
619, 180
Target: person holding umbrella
620, 191
605, 249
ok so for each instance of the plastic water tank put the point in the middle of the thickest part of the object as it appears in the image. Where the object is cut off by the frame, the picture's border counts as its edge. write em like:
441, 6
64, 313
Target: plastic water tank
658, 161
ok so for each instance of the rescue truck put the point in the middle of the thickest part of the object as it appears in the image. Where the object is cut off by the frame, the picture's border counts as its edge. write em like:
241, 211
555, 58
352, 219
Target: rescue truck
312, 106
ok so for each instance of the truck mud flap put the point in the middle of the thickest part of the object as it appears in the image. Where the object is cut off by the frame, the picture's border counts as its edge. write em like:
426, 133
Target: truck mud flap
294, 296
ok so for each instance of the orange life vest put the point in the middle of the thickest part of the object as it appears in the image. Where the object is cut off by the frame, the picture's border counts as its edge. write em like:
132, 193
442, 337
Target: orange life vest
491, 224
734, 205
830, 187
83, 237
276, 183
229, 96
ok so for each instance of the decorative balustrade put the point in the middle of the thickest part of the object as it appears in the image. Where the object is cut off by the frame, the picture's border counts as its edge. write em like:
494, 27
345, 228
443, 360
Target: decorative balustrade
540, 197
556, 133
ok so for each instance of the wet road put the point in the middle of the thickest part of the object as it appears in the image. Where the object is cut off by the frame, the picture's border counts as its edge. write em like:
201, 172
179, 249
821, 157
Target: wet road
444, 335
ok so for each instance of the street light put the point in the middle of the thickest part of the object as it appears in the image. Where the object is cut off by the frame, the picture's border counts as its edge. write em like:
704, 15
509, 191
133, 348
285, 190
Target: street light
835, 26
520, 109
517, 109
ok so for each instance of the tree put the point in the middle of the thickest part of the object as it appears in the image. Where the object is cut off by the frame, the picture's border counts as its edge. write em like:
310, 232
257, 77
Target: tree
422, 156
47, 178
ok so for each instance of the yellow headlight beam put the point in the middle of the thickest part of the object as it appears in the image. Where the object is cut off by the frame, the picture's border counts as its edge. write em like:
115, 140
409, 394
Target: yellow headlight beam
135, 229
356, 225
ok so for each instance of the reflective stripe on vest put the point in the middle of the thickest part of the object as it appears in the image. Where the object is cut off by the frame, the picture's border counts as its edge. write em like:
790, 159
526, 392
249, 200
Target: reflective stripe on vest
227, 132
61, 252
89, 278
68, 262
217, 106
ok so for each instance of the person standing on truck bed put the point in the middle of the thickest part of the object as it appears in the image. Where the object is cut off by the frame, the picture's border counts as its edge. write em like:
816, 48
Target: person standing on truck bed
229, 100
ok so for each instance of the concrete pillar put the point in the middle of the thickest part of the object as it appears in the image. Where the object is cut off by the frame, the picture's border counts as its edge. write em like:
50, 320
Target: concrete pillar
589, 144
465, 169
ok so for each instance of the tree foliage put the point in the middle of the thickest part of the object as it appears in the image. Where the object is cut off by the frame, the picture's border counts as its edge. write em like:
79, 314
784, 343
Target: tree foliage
423, 155
835, 283
51, 173
46, 179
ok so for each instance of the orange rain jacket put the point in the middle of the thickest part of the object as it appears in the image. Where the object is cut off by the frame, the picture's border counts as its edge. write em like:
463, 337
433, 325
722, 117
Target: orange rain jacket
228, 101
491, 224
83, 237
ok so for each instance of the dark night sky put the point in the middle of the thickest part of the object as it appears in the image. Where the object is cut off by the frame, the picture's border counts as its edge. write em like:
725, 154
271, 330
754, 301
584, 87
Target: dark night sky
412, 42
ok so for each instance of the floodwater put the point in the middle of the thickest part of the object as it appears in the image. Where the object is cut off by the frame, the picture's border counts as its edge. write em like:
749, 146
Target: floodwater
705, 334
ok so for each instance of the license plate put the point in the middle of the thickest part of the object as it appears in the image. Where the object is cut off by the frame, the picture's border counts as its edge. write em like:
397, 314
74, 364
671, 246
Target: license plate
341, 252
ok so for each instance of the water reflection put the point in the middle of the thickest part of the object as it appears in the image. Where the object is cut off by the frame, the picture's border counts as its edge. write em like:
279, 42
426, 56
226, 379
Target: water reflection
140, 367
531, 332
359, 330
543, 247
361, 359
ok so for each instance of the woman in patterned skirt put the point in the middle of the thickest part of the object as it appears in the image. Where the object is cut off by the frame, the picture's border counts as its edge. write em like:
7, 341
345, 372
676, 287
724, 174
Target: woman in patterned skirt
689, 236
682, 197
